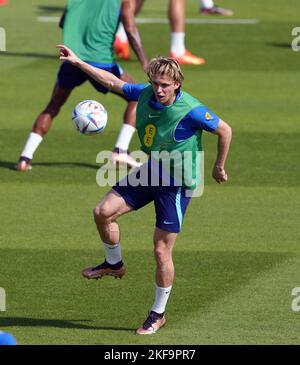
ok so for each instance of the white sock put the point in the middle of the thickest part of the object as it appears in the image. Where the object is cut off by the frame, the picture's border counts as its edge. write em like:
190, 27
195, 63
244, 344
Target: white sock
161, 298
121, 34
177, 43
206, 4
112, 253
31, 145
125, 136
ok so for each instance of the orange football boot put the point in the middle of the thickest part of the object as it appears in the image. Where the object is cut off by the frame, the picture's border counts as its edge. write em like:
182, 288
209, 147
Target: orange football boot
121, 49
188, 59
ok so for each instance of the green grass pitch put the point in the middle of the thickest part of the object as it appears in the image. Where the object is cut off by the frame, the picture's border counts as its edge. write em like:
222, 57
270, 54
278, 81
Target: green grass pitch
237, 259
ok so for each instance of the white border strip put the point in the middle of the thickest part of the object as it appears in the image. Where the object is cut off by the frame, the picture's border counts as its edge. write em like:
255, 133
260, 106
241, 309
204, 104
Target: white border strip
55, 19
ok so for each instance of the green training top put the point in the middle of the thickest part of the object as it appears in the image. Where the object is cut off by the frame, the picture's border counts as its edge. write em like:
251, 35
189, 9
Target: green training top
156, 130
90, 27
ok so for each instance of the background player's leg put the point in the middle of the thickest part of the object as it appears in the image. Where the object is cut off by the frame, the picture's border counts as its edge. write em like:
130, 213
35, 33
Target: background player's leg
44, 120
42, 126
176, 13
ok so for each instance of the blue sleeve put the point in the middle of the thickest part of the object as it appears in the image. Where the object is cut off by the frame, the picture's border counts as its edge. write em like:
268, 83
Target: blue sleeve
202, 118
133, 91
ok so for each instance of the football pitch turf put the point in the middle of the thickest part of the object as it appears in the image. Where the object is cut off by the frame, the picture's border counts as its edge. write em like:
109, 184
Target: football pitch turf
237, 259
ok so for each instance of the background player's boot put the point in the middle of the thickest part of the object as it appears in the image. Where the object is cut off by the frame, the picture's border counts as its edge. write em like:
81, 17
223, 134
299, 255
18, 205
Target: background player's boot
152, 324
23, 164
121, 49
188, 59
118, 270
215, 10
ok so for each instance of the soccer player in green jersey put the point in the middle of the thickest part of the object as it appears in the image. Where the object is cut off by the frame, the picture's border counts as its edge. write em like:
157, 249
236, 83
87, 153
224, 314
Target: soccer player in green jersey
168, 120
89, 28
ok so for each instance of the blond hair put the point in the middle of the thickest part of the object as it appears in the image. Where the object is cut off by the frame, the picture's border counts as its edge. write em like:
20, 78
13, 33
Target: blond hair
165, 66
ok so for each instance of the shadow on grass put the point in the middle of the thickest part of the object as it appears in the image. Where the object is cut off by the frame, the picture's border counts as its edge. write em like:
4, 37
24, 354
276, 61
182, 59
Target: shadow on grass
29, 55
34, 322
51, 9
279, 44
12, 165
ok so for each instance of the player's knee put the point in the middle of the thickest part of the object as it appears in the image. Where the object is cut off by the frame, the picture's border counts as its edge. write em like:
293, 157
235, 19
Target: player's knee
101, 213
97, 214
160, 255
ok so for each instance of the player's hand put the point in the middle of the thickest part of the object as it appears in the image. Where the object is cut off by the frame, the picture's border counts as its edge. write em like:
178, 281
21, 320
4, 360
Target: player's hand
66, 54
219, 174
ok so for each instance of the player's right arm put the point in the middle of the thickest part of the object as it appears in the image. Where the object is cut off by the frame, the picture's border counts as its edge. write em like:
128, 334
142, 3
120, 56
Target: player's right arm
105, 78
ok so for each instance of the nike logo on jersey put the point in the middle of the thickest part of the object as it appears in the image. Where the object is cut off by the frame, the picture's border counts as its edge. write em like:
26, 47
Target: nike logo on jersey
167, 222
153, 116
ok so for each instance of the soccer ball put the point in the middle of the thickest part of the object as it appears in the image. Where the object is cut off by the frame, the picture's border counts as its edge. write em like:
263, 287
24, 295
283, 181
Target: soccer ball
89, 117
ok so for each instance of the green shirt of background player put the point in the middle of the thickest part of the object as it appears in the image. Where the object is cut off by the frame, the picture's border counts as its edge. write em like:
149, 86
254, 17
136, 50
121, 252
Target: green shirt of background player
166, 78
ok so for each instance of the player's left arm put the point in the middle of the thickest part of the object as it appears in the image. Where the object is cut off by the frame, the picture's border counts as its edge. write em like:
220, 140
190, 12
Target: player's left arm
128, 20
202, 118
224, 133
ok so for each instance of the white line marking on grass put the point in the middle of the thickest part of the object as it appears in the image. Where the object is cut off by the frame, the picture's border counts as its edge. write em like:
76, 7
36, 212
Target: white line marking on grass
198, 21
48, 19
55, 19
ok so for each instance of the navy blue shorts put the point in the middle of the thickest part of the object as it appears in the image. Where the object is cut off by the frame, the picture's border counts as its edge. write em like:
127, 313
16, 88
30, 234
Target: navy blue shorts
170, 203
70, 76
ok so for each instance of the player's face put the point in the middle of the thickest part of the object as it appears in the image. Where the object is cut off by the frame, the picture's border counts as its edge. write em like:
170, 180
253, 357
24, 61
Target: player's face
164, 89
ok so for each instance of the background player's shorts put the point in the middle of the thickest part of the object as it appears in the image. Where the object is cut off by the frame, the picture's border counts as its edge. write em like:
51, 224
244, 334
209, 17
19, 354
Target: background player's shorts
70, 76
170, 203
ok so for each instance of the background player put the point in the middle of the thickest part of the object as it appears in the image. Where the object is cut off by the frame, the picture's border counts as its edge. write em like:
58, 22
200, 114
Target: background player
89, 28
176, 15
